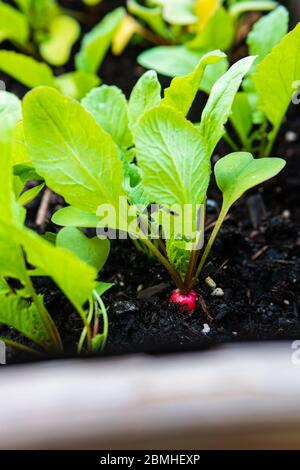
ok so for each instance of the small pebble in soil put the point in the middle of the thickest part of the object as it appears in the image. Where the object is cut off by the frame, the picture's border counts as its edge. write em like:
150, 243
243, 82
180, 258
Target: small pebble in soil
218, 292
291, 136
286, 214
206, 329
210, 282
120, 307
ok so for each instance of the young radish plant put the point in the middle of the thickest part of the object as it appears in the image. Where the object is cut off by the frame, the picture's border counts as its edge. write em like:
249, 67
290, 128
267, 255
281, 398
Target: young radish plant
25, 255
106, 150
183, 31
259, 109
39, 27
55, 49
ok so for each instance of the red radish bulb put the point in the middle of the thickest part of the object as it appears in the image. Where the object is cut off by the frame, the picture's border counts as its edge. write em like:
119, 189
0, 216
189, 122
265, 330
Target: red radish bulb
185, 302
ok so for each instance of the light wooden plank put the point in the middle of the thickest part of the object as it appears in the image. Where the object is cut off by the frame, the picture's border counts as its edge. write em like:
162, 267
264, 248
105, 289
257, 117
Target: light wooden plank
243, 396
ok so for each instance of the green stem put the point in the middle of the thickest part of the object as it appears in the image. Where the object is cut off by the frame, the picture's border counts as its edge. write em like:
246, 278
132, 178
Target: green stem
262, 138
230, 142
44, 314
211, 240
20, 346
87, 328
27, 48
169, 267
84, 331
188, 280
138, 246
244, 141
271, 142
105, 318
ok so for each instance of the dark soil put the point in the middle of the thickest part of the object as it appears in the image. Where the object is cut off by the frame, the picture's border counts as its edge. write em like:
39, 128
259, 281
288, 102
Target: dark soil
255, 262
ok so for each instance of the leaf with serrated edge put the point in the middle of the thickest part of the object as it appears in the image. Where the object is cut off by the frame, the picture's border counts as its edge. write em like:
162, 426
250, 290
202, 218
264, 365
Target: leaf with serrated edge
70, 151
97, 41
145, 95
108, 106
268, 32
19, 314
218, 107
74, 277
276, 75
172, 158
177, 61
182, 91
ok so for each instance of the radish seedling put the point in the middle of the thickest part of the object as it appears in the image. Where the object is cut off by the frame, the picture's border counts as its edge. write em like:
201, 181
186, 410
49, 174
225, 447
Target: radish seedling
183, 31
44, 21
105, 150
25, 255
55, 33
259, 109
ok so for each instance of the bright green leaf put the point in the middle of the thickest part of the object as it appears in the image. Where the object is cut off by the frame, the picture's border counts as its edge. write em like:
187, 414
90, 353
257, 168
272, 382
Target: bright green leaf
77, 159
178, 12
10, 117
218, 33
276, 75
108, 106
20, 154
239, 171
145, 95
11, 263
10, 109
73, 217
151, 16
241, 116
96, 42
4, 287
62, 34
218, 107
255, 5
30, 195
178, 61
182, 91
92, 251
268, 32
26, 172
75, 278
39, 12
25, 69
103, 287
23, 316
172, 158
76, 84
13, 24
